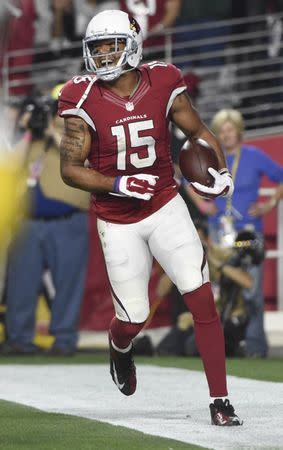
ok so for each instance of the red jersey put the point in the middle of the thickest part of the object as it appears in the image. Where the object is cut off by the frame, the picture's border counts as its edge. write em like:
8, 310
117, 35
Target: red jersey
130, 135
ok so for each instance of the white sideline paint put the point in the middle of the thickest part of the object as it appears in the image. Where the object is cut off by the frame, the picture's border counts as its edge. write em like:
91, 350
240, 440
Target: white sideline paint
169, 402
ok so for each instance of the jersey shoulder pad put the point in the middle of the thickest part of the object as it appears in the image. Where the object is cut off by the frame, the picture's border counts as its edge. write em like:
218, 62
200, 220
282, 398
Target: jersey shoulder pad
73, 90
163, 73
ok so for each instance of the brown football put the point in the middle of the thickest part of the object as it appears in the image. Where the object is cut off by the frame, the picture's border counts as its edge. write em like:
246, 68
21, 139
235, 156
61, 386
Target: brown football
195, 158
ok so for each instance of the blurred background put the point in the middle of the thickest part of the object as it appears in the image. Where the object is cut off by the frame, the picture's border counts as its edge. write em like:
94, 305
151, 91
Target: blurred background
231, 56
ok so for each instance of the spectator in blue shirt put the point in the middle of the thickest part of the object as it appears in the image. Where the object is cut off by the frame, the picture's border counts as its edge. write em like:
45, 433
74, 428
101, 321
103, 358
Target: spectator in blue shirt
248, 165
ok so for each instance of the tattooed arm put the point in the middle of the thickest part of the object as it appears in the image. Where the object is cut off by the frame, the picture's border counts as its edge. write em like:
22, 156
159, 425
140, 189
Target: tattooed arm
74, 150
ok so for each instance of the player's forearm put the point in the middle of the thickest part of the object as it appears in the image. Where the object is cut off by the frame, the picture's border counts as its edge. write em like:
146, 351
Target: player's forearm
186, 117
86, 179
209, 137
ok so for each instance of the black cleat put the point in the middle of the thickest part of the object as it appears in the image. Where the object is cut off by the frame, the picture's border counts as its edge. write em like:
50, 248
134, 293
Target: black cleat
123, 370
222, 414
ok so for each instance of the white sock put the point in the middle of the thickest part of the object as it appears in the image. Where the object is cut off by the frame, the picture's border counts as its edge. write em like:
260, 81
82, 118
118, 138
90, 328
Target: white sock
122, 350
221, 398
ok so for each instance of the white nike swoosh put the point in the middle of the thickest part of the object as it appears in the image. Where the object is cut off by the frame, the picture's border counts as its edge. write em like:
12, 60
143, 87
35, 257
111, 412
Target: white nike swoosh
120, 386
133, 184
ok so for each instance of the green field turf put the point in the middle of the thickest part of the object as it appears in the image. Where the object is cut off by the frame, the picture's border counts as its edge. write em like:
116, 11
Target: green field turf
24, 428
269, 369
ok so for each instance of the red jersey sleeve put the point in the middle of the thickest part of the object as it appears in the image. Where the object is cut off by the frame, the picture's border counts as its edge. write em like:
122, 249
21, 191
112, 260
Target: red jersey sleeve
175, 85
68, 97
71, 101
174, 76
169, 80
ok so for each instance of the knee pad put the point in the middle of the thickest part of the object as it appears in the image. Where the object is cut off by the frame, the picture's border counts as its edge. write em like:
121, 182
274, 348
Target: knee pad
194, 278
134, 310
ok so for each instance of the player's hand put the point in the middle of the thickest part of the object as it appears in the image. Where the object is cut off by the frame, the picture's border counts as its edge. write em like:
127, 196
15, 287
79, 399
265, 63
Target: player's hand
223, 185
140, 186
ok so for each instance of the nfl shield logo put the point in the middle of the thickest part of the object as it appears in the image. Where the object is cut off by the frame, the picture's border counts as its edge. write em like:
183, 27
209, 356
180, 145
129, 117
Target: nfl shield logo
129, 106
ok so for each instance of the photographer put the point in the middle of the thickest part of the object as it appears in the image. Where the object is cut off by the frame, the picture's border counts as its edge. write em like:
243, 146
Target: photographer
232, 276
248, 165
53, 236
237, 282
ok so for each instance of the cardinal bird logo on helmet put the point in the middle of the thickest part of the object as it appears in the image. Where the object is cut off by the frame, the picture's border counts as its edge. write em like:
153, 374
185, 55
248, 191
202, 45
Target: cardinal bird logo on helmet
134, 26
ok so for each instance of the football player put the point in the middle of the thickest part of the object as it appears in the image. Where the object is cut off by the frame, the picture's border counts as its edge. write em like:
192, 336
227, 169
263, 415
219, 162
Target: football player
117, 118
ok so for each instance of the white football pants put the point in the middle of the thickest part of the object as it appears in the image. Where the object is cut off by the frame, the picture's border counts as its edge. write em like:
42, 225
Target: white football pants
170, 236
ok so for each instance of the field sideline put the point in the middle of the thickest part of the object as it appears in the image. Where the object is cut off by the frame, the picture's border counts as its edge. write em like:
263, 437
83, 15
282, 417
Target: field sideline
269, 369
28, 428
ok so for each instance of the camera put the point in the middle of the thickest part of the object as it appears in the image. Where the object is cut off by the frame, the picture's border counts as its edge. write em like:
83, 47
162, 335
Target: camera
249, 248
40, 109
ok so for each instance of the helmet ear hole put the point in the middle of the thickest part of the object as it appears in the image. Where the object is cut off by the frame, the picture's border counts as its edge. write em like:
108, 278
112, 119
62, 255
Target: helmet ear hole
134, 47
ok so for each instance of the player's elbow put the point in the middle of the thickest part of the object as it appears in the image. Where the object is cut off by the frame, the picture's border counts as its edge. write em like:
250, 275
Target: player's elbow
67, 175
67, 180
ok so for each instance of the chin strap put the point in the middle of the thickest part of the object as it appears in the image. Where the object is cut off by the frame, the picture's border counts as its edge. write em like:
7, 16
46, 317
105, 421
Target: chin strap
85, 94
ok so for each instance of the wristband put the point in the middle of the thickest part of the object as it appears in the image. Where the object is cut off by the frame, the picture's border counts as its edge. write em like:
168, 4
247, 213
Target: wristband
116, 184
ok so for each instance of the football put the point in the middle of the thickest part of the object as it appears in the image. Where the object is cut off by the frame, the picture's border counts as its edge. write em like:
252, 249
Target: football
195, 158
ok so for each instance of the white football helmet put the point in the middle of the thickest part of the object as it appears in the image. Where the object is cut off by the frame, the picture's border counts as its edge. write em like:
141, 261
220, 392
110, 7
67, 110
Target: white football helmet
116, 25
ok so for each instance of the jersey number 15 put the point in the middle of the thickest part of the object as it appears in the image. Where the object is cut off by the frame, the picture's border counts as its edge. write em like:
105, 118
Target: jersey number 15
135, 141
